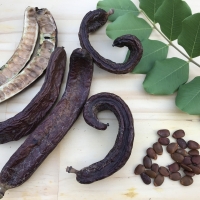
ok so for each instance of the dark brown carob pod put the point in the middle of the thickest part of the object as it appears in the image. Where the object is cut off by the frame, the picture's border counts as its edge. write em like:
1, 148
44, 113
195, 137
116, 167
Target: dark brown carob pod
121, 151
42, 141
28, 119
94, 20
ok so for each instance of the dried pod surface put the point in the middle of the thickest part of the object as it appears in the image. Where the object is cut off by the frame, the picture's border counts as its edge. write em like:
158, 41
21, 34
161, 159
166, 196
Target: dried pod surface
50, 132
193, 145
28, 119
94, 20
177, 157
186, 180
158, 181
151, 173
158, 148
178, 134
155, 167
174, 167
163, 133
145, 178
22, 54
193, 152
147, 162
182, 143
121, 151
176, 176
164, 141
163, 171
39, 62
139, 169
172, 147
151, 153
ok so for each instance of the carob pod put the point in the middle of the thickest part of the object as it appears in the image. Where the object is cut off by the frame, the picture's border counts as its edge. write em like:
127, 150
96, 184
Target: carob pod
42, 141
28, 119
23, 52
121, 151
38, 63
94, 20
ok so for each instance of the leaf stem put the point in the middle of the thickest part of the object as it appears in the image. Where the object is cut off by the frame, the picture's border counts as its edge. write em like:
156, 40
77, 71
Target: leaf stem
170, 42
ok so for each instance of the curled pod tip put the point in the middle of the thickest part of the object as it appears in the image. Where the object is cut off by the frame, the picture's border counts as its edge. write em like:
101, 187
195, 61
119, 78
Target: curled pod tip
121, 151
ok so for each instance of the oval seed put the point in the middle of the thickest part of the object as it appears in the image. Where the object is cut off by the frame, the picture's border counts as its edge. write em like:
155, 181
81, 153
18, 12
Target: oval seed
196, 159
188, 168
151, 173
139, 169
145, 178
147, 162
193, 152
176, 176
187, 161
163, 133
182, 143
158, 181
189, 173
163, 171
155, 167
164, 141
186, 180
178, 134
172, 147
195, 169
192, 145
158, 148
174, 167
183, 152
151, 153
177, 157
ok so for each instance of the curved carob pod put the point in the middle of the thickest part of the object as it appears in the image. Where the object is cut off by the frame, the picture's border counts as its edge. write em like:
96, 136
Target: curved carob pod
121, 151
94, 20
28, 119
42, 141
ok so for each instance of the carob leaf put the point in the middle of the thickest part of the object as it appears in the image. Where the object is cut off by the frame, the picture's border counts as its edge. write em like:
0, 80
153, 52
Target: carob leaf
170, 16
166, 76
121, 7
121, 151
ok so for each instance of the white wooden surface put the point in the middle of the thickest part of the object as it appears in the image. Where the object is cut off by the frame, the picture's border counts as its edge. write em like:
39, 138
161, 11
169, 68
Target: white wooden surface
84, 145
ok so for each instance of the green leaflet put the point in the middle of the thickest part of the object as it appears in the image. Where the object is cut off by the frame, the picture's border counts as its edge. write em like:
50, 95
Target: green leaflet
129, 24
150, 7
166, 76
188, 97
120, 7
170, 16
153, 50
189, 38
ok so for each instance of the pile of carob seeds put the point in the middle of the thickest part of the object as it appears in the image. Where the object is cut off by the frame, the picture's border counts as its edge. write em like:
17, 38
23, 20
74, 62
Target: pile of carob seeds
188, 160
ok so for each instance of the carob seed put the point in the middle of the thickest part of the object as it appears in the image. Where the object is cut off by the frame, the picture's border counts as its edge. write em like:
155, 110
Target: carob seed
196, 159
145, 178
151, 153
151, 173
174, 167
187, 161
178, 134
163, 171
158, 148
163, 133
164, 141
182, 143
172, 147
188, 168
155, 167
147, 162
177, 157
186, 180
158, 181
139, 169
183, 152
192, 145
176, 176
195, 169
193, 152
189, 173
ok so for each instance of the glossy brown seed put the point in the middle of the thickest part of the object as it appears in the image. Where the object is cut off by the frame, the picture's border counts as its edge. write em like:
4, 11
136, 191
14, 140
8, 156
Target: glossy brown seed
147, 162
182, 143
145, 178
188, 173
155, 167
196, 159
187, 161
177, 157
158, 181
192, 145
183, 152
172, 147
188, 168
176, 176
151, 153
163, 171
174, 167
158, 148
195, 169
164, 141
193, 152
178, 134
186, 180
163, 133
139, 169
151, 173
